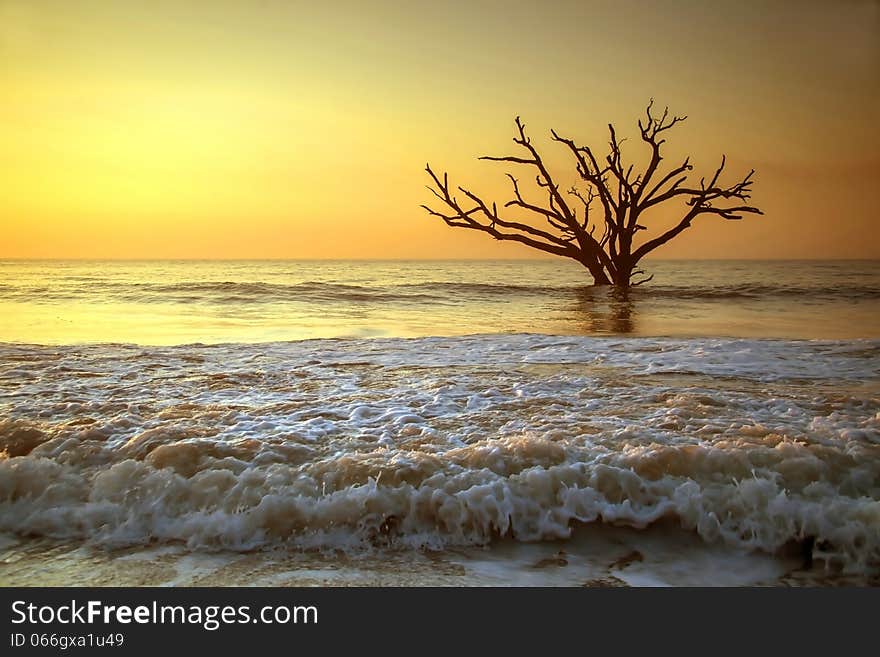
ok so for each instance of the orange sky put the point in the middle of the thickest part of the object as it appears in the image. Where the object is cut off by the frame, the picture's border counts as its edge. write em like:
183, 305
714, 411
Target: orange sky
289, 130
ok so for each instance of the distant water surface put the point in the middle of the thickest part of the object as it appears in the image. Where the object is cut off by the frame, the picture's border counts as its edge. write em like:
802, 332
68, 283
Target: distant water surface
177, 302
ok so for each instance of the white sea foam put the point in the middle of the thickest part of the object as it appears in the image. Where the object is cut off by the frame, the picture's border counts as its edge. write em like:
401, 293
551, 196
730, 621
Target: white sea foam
444, 441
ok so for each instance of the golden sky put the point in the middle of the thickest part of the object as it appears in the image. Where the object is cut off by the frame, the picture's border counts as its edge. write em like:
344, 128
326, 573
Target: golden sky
270, 129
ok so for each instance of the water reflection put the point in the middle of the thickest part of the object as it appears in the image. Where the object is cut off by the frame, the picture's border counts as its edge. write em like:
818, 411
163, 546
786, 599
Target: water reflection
220, 302
604, 310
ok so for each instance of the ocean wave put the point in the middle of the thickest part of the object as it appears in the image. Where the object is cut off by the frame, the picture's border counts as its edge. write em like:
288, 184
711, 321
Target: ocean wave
755, 496
730, 291
257, 292
431, 292
763, 291
436, 442
226, 292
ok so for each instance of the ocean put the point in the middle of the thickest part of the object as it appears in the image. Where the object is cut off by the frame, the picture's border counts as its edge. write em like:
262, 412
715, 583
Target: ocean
455, 423
168, 302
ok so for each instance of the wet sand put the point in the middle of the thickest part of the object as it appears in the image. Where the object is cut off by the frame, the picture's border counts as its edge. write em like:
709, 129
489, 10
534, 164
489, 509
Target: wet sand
601, 556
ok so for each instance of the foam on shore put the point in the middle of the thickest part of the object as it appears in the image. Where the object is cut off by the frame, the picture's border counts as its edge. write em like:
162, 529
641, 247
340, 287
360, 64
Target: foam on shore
441, 442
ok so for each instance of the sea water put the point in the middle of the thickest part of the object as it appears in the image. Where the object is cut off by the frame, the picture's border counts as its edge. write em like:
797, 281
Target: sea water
240, 408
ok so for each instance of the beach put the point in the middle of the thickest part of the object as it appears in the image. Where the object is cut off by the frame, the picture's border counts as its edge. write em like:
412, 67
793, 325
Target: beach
454, 423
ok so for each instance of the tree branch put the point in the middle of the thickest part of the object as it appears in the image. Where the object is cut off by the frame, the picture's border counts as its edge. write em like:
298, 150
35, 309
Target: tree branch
701, 202
462, 218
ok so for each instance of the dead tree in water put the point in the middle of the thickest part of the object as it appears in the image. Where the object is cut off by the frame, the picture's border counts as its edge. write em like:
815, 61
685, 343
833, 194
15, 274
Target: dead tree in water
602, 237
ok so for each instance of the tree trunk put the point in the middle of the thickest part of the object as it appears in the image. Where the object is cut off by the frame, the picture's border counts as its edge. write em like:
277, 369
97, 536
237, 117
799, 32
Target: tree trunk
623, 275
598, 272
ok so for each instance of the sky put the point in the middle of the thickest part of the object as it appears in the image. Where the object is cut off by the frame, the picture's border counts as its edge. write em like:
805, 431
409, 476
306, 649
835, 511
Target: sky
270, 129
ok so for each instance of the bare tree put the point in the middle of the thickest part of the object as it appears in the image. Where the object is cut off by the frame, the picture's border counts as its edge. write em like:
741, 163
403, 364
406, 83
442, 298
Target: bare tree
602, 237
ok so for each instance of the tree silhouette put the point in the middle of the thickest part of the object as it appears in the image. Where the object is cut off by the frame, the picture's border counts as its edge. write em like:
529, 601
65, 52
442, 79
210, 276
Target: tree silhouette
570, 221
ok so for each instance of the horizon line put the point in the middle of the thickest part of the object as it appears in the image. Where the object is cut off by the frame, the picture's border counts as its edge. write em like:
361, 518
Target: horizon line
465, 259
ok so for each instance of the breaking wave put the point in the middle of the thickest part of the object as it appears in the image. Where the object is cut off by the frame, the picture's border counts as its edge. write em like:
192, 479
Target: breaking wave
437, 442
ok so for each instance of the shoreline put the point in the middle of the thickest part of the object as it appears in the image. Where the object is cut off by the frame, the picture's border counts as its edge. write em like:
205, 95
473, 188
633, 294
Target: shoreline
596, 555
